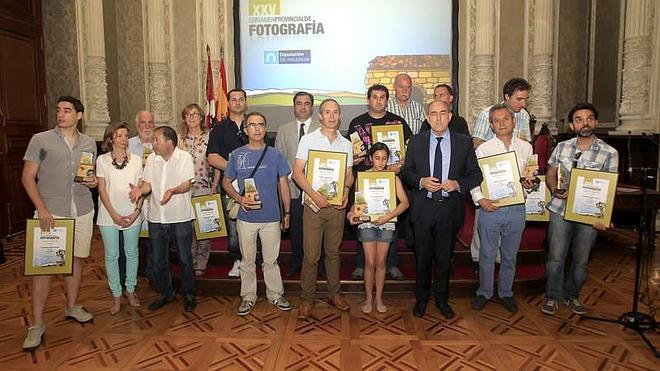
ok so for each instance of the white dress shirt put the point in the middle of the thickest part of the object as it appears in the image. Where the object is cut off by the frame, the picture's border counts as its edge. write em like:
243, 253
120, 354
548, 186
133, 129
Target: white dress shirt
163, 175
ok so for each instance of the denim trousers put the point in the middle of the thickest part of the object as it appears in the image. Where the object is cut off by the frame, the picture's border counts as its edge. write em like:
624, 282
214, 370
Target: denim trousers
112, 247
392, 253
563, 235
232, 232
161, 235
499, 230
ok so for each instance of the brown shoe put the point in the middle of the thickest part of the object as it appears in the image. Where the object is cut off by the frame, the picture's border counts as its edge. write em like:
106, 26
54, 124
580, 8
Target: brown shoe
303, 310
339, 303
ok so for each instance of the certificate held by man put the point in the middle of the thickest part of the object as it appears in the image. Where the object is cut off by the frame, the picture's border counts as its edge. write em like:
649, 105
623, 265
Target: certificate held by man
209, 218
501, 179
326, 172
392, 136
378, 189
49, 252
591, 196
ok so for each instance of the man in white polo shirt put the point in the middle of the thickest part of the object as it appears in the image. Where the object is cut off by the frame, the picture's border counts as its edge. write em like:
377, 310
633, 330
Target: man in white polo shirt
168, 175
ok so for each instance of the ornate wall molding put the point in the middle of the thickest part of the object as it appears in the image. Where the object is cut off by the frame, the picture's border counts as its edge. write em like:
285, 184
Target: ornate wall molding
541, 66
159, 71
482, 35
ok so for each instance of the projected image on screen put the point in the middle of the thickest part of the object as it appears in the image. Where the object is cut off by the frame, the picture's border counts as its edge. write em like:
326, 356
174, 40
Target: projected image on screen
339, 48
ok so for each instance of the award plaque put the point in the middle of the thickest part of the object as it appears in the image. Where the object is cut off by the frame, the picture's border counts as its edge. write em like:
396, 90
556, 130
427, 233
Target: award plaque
392, 136
85, 172
360, 209
591, 197
326, 172
49, 252
252, 193
378, 190
209, 218
501, 179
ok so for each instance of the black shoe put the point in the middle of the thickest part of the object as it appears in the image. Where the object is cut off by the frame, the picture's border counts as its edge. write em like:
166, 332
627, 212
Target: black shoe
478, 302
160, 302
419, 309
293, 271
189, 303
445, 309
510, 304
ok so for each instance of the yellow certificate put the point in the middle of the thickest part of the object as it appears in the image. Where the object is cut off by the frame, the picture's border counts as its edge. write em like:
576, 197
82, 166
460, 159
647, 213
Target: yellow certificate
501, 179
209, 218
392, 136
49, 252
536, 202
378, 189
591, 196
326, 172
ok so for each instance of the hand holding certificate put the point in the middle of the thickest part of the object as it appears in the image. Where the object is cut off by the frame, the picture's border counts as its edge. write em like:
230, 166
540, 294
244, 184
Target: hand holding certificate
591, 197
501, 179
49, 252
326, 172
378, 190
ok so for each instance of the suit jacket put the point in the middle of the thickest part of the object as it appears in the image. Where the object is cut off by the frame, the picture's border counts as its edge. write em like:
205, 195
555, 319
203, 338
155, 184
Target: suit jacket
286, 141
463, 167
456, 125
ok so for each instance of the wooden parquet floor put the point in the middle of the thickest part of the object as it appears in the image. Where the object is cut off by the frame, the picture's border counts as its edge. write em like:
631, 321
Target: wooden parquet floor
213, 337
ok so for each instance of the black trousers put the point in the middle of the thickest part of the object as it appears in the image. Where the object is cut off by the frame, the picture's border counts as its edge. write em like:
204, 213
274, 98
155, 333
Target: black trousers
434, 242
296, 232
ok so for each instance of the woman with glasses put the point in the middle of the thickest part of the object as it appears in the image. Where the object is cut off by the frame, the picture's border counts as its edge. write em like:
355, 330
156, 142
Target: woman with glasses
194, 138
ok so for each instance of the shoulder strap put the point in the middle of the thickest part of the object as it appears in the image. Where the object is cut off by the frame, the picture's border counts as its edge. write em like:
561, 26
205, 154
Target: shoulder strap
263, 153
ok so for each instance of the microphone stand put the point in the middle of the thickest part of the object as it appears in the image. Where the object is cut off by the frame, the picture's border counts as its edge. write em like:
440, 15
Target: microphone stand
638, 322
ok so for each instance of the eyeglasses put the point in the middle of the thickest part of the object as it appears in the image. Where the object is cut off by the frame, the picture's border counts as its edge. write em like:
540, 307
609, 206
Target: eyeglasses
255, 125
195, 114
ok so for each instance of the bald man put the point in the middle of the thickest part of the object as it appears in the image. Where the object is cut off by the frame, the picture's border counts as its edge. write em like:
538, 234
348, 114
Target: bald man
403, 105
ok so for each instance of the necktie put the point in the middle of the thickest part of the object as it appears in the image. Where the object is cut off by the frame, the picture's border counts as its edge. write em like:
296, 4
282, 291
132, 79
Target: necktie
301, 132
437, 168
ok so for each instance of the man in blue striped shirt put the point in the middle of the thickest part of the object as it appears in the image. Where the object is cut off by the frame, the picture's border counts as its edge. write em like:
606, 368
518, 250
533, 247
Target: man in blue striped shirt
402, 104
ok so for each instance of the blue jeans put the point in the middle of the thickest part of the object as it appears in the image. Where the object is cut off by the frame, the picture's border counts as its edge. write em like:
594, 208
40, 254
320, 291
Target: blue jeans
560, 235
161, 235
501, 228
392, 253
111, 247
232, 232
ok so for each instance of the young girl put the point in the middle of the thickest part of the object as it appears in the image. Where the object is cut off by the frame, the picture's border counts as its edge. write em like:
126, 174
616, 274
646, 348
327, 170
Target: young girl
377, 234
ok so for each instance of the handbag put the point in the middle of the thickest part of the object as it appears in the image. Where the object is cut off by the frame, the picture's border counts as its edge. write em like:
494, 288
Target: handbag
232, 205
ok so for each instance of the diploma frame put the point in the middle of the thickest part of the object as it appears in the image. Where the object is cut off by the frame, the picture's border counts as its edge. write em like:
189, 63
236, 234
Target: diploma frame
385, 129
67, 268
589, 175
518, 198
342, 157
545, 217
372, 176
221, 218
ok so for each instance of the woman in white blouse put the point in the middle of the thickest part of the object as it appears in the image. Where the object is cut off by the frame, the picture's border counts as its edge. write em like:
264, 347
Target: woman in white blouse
118, 171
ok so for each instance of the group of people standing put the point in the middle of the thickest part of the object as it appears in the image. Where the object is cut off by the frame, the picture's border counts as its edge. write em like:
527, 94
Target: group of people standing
145, 183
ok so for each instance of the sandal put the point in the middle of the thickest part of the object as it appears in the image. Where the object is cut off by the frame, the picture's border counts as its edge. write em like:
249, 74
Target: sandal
116, 306
366, 308
200, 272
133, 300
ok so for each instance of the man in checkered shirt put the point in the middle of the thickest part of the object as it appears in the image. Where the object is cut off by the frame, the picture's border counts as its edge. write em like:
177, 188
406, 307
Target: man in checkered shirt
585, 151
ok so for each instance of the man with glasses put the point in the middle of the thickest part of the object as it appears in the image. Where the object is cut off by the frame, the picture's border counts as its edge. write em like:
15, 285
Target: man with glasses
585, 151
223, 139
259, 170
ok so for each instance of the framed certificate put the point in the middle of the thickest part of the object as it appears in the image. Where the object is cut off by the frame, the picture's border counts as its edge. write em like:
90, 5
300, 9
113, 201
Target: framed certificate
392, 136
591, 196
209, 218
326, 172
536, 202
49, 252
501, 179
378, 190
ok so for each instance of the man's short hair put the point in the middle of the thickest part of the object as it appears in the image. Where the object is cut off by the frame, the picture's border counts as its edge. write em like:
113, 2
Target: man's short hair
302, 94
168, 134
446, 86
498, 107
77, 104
255, 113
378, 87
237, 90
579, 106
328, 100
515, 84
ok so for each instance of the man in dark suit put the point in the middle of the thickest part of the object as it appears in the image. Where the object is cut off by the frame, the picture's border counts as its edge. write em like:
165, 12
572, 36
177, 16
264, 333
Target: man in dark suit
441, 168
288, 136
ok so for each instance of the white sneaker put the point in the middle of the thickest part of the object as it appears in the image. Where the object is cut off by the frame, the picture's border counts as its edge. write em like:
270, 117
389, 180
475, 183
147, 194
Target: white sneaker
235, 271
34, 337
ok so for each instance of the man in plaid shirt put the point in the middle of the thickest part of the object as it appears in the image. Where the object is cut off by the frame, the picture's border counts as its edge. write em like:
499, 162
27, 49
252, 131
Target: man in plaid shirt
585, 151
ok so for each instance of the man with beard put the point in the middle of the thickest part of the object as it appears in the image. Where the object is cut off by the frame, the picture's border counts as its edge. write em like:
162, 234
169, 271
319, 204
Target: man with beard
585, 151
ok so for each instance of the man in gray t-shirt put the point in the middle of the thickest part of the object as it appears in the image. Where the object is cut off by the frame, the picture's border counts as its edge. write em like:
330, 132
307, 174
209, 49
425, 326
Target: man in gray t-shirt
49, 173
